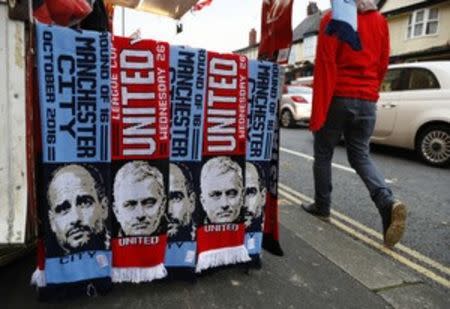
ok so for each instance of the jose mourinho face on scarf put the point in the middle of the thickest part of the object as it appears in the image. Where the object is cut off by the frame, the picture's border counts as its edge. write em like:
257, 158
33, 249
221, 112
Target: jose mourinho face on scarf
221, 185
139, 198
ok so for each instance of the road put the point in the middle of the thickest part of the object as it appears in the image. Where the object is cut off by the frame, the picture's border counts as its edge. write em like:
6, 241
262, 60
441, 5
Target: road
425, 190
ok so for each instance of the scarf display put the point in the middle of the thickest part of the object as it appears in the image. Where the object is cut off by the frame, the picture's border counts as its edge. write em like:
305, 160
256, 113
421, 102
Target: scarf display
220, 235
344, 22
263, 104
74, 94
155, 159
140, 158
188, 91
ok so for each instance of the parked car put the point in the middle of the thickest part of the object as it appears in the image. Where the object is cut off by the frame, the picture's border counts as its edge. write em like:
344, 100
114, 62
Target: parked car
414, 110
295, 106
306, 81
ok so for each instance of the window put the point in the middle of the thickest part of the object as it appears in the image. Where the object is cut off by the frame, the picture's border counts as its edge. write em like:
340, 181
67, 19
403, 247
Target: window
309, 46
392, 81
421, 79
423, 22
299, 90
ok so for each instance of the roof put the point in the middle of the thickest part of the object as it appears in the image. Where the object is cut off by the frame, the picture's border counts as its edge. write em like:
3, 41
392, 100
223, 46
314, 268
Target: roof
310, 25
392, 5
172, 8
392, 8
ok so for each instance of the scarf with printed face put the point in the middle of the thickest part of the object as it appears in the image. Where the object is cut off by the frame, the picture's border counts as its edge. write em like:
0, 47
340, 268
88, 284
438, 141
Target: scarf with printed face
344, 22
262, 107
140, 152
74, 94
188, 81
221, 232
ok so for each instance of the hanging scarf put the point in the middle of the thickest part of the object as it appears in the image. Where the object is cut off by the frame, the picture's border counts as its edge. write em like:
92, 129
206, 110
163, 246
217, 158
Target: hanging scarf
140, 153
74, 94
271, 233
263, 104
344, 22
188, 81
220, 236
276, 30
200, 5
61, 12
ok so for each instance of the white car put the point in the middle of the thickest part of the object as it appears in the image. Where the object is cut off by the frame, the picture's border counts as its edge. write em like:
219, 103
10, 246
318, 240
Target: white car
295, 106
414, 110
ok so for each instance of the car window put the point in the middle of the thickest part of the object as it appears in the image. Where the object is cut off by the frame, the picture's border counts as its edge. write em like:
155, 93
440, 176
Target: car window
393, 80
420, 78
299, 90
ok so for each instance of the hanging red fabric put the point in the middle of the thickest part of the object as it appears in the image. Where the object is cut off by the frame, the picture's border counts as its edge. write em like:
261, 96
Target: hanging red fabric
276, 30
61, 12
201, 5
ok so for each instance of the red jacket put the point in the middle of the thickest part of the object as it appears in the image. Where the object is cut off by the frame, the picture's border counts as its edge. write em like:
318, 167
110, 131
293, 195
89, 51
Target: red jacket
341, 71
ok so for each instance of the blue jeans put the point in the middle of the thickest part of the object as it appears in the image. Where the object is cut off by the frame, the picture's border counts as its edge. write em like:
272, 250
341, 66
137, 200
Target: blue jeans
355, 119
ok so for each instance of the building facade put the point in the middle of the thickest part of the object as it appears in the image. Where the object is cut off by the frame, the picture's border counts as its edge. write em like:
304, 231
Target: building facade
419, 31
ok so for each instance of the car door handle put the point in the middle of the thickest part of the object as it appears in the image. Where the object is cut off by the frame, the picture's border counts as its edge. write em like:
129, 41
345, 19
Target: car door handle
388, 105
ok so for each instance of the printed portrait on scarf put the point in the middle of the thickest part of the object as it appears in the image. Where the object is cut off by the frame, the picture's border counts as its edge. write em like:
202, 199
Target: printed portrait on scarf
77, 209
182, 200
222, 190
255, 196
139, 199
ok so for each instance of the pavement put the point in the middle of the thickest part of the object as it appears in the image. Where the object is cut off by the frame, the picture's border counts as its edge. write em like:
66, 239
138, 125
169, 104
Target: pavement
322, 268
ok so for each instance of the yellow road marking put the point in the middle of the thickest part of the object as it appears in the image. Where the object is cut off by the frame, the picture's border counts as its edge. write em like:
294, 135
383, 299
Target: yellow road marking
283, 202
411, 252
418, 268
298, 194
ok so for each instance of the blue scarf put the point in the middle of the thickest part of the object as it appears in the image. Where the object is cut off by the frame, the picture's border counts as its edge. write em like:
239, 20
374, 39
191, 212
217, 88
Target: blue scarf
344, 22
74, 78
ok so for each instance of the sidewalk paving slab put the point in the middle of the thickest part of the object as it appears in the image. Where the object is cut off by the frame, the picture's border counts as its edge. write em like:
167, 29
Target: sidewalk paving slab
371, 268
416, 296
394, 282
302, 278
322, 268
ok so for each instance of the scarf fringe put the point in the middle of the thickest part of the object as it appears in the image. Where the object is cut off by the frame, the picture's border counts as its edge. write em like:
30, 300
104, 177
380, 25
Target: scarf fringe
345, 33
221, 257
38, 278
137, 274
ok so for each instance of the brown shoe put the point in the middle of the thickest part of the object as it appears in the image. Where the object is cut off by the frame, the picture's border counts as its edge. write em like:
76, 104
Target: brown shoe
313, 209
394, 221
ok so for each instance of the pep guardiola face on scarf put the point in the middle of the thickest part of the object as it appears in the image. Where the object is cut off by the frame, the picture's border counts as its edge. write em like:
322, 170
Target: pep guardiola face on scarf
181, 195
77, 206
255, 193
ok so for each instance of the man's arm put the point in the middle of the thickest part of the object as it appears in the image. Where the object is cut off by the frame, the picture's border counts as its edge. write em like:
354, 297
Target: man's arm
385, 49
325, 72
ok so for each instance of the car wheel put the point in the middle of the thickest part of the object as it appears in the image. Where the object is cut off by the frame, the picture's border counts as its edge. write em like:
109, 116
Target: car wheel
433, 145
286, 119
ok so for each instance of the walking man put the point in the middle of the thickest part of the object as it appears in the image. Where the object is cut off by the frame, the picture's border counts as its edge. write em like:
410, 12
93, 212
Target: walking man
346, 84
